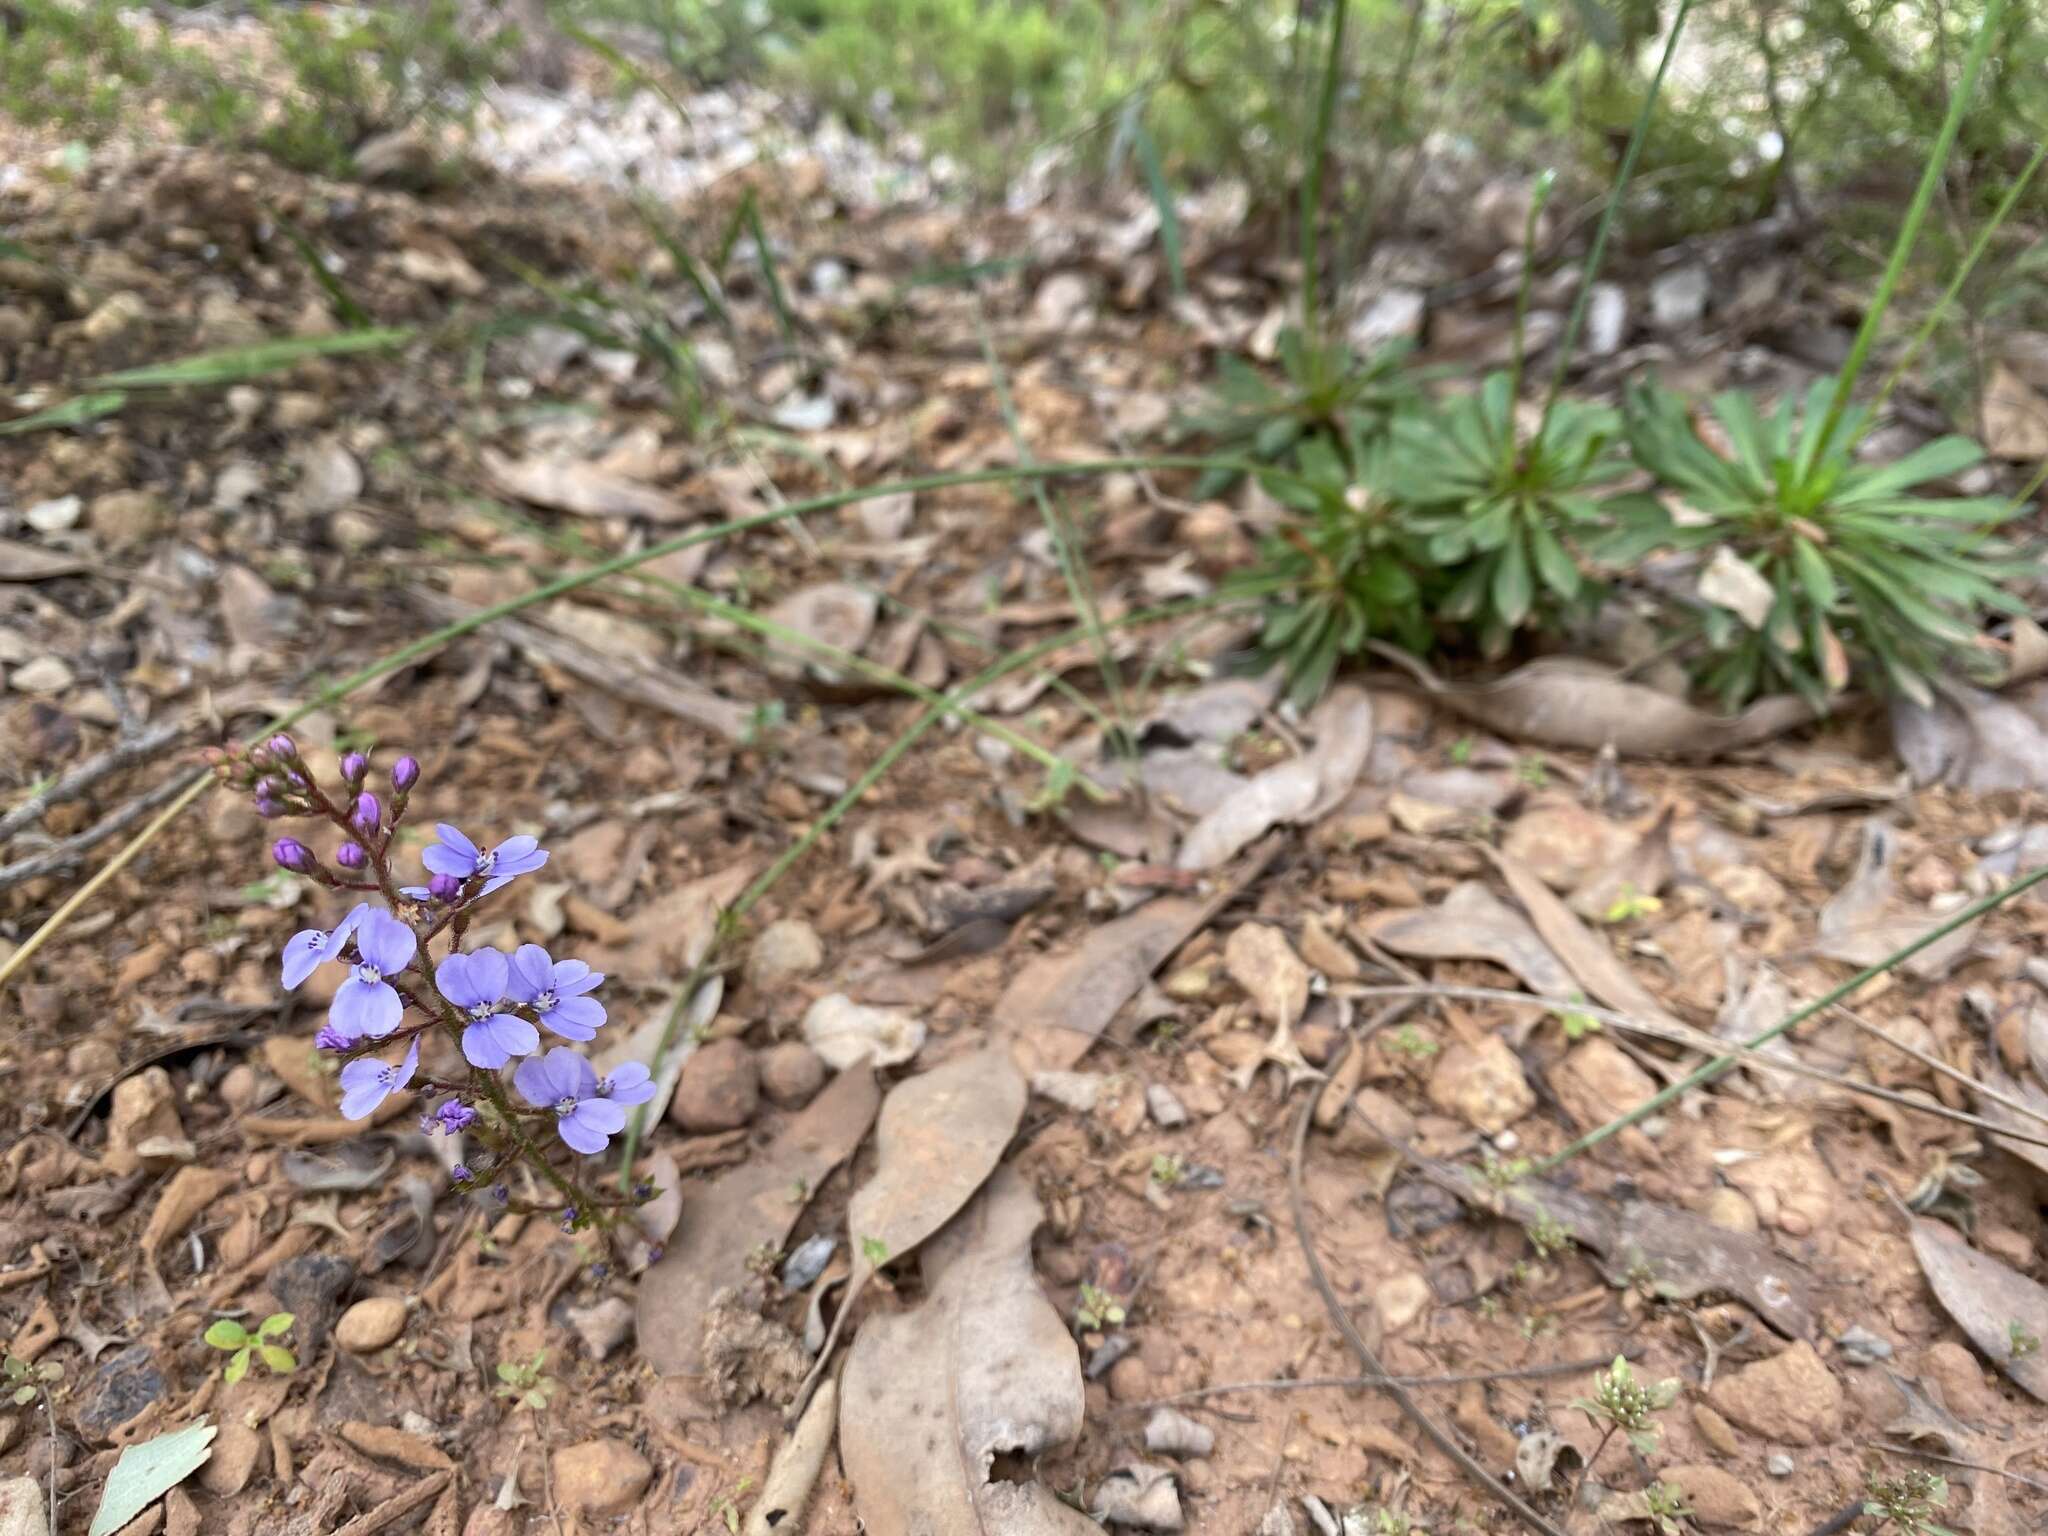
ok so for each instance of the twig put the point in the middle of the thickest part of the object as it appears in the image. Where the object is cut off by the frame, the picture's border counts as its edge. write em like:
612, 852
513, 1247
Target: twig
1956, 1461
71, 785
1443, 1379
62, 856
397, 1507
1438, 1436
1839, 1521
1936, 1064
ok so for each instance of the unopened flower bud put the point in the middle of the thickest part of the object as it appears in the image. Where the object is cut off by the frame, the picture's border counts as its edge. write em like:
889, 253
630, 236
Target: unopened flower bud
282, 747
460, 1173
369, 813
268, 808
405, 773
351, 856
353, 767
444, 887
330, 1039
290, 853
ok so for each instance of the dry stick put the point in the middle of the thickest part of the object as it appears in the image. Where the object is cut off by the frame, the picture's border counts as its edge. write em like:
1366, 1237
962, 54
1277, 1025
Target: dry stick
1438, 1436
1699, 1040
1935, 1063
62, 856
1442, 1379
1956, 1461
88, 773
1720, 1064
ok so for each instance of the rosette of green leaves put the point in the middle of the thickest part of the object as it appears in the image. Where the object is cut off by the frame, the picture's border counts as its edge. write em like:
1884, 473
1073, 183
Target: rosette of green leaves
1513, 524
1863, 571
1346, 571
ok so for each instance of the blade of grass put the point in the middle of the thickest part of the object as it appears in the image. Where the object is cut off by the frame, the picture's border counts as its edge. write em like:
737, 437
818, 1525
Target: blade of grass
426, 644
1312, 177
1720, 1064
346, 309
730, 920
765, 258
1909, 230
234, 365
693, 274
75, 412
1597, 251
1162, 199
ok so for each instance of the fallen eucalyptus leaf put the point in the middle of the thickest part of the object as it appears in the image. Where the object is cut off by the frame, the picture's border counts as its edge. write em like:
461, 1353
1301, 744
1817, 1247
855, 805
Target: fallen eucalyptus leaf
2004, 1313
1298, 790
146, 1472
1859, 925
794, 1472
1471, 923
1060, 1002
582, 488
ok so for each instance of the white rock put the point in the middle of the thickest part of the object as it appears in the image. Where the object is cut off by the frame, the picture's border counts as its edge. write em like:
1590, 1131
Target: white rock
46, 674
1078, 1091
1606, 319
56, 515
844, 1032
1679, 298
22, 1508
1396, 313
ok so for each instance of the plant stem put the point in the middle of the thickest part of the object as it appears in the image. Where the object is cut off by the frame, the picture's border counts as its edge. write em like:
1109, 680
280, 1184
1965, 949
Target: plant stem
1721, 1064
1312, 176
1909, 230
1597, 251
1587, 1470
1539, 194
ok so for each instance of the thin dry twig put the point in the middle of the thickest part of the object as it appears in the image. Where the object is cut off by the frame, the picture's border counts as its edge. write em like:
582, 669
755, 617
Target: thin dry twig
59, 857
1333, 1304
397, 1507
1957, 1461
71, 785
1441, 1379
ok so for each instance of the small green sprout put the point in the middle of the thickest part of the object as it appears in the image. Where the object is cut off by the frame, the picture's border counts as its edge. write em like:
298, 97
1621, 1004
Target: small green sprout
1412, 1043
762, 1258
875, 1251
526, 1382
1630, 905
1548, 1236
1097, 1309
1620, 1402
1503, 1172
1460, 753
1167, 1169
26, 1380
1667, 1507
727, 1507
1533, 771
2020, 1343
1907, 1502
227, 1334
1577, 1023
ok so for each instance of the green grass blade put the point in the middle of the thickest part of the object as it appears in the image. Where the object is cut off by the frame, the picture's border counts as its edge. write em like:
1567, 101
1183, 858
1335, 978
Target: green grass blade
346, 309
693, 274
75, 412
766, 260
234, 365
1162, 199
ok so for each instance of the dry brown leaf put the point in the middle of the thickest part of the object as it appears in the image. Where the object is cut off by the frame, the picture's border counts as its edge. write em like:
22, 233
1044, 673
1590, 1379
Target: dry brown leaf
2004, 1313
2027, 1092
799, 1460
1585, 954
1565, 702
1059, 1003
983, 1367
729, 1218
1641, 869
834, 613
1860, 926
1472, 923
1298, 790
585, 489
1970, 739
31, 562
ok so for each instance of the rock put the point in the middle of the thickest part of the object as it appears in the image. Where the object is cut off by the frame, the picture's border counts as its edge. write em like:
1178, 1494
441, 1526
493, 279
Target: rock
1715, 1430
719, 1089
45, 675
1140, 1496
1956, 1372
113, 317
601, 1477
399, 158
1597, 1081
225, 322
1606, 319
844, 1032
118, 1389
1400, 1300
791, 1074
294, 410
785, 952
125, 519
1717, 1498
237, 1449
604, 1326
1165, 1109
143, 1108
1483, 1085
329, 478
1862, 1347
1780, 1465
1791, 1397
54, 516
807, 1261
22, 1508
1172, 1433
353, 531
1261, 961
1062, 301
1562, 842
1078, 1091
1678, 298
310, 1287
1393, 315
236, 484
1730, 1209
1129, 1381
371, 1324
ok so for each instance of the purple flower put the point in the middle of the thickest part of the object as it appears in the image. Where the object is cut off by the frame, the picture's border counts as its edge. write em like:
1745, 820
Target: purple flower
627, 1083
369, 814
444, 888
353, 767
367, 1004
405, 773
268, 808
331, 1039
456, 855
282, 747
564, 1082
453, 1117
290, 853
554, 989
475, 984
351, 856
308, 949
460, 1173
368, 1082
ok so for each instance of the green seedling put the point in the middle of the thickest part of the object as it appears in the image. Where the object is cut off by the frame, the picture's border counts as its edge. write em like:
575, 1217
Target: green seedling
1621, 1404
1167, 1169
227, 1334
1908, 1503
1630, 905
1097, 1309
1412, 1043
526, 1382
1667, 1507
24, 1381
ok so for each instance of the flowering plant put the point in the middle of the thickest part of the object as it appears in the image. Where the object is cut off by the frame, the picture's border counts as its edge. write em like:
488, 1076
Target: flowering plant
491, 1007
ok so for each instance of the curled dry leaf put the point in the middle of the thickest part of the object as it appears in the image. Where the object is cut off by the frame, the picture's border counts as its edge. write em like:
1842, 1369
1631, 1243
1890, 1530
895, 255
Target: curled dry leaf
984, 1366
2004, 1313
794, 1472
1860, 926
1060, 1002
1566, 702
1641, 869
1300, 789
588, 490
1584, 953
1472, 923
834, 613
1970, 739
748, 1208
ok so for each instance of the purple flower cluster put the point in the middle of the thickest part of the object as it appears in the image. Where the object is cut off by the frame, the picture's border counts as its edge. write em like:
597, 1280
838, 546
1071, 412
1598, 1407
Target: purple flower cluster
493, 1005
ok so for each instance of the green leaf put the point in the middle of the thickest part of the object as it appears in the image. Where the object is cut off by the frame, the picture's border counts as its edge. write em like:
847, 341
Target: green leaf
1162, 199
281, 1361
226, 1333
1814, 574
69, 413
238, 1365
235, 365
1942, 457
275, 1324
146, 1472
1553, 563
1513, 590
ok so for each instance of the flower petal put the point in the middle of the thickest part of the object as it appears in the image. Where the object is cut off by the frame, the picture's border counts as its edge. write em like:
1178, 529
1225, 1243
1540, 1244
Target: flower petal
365, 1009
303, 953
628, 1083
579, 1135
363, 1087
446, 861
533, 972
481, 1046
386, 942
573, 977
489, 970
453, 840
531, 1078
575, 1018
453, 978
410, 1065
604, 1114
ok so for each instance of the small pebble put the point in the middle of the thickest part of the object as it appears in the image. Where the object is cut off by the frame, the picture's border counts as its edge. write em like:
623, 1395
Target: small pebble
1862, 1347
718, 1090
807, 1261
791, 1074
1165, 1108
1780, 1465
602, 1327
1171, 1433
370, 1324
